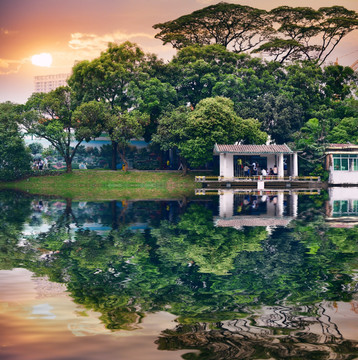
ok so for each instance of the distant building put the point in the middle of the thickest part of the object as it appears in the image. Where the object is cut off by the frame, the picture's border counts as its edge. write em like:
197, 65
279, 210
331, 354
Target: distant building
342, 163
47, 83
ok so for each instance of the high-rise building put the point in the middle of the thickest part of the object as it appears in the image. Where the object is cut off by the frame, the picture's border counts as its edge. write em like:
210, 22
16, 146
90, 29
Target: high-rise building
47, 83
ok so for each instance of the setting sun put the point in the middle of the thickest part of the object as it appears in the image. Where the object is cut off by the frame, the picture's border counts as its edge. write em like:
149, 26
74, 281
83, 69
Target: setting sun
43, 59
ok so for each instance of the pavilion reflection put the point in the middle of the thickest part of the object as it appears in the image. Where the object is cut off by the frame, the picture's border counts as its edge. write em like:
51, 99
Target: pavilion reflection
265, 208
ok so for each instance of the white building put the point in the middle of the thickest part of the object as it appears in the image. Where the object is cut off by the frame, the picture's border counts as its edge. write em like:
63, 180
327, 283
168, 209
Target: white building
342, 163
47, 83
233, 159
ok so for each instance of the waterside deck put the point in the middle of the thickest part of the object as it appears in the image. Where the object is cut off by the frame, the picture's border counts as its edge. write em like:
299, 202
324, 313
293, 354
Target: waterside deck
260, 182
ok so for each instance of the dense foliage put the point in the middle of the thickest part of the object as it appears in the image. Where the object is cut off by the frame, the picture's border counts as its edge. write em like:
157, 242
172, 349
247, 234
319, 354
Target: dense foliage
15, 160
284, 33
294, 98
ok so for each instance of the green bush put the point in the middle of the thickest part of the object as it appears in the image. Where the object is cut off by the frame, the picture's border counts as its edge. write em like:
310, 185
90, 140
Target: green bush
11, 175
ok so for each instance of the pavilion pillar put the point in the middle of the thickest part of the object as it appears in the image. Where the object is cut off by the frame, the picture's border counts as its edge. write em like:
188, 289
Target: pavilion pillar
280, 169
295, 164
294, 204
226, 204
280, 204
222, 164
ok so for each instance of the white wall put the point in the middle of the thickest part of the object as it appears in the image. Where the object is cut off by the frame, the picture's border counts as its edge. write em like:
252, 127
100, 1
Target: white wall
227, 165
270, 162
343, 193
343, 177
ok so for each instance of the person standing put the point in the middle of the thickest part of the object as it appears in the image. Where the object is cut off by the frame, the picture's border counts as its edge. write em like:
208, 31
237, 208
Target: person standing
254, 168
246, 170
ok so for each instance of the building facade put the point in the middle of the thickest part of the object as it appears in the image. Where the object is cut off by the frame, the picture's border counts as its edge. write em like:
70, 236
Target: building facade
47, 83
342, 164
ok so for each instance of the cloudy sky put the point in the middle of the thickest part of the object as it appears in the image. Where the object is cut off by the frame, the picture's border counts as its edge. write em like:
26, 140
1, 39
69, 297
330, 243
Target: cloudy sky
73, 30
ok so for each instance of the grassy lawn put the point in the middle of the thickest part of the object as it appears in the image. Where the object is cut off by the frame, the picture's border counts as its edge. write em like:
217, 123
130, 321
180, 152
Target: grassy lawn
107, 185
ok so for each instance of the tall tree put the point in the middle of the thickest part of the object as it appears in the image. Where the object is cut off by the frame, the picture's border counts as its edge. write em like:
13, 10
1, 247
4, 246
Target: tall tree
56, 117
285, 33
308, 34
107, 79
111, 78
231, 25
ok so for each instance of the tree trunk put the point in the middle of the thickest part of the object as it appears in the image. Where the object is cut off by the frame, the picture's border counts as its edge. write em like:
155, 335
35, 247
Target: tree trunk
184, 165
68, 166
123, 158
114, 155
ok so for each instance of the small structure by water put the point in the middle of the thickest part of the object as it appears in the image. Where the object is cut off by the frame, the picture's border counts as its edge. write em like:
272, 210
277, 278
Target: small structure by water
342, 164
233, 159
260, 166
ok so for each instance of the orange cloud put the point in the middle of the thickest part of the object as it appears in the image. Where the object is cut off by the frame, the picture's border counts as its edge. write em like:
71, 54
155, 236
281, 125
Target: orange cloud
95, 42
11, 66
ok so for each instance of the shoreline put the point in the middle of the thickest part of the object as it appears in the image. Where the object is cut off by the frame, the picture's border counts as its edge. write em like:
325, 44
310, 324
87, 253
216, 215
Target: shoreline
108, 185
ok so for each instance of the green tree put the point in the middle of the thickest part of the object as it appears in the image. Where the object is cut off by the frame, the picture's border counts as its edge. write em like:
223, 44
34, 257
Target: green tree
238, 26
308, 34
338, 81
345, 132
215, 121
56, 117
194, 133
152, 97
110, 78
171, 131
36, 148
14, 158
125, 126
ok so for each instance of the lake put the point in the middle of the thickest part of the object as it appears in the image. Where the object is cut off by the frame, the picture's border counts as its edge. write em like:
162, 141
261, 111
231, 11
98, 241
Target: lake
230, 275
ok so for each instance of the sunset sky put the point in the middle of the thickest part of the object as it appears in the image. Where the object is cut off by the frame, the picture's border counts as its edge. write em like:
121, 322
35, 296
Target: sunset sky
73, 30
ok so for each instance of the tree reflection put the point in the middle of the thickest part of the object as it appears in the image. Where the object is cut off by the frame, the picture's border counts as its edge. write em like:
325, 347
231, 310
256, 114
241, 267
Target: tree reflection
237, 293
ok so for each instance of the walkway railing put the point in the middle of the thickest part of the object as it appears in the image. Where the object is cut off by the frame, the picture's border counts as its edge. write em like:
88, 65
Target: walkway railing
257, 178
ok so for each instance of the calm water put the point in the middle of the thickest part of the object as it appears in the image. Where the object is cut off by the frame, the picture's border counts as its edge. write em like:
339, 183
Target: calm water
229, 276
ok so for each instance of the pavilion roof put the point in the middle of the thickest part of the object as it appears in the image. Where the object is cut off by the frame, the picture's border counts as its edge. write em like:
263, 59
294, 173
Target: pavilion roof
252, 149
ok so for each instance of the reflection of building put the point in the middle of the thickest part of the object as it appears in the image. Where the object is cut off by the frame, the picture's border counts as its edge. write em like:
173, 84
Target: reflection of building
342, 207
266, 209
47, 83
342, 163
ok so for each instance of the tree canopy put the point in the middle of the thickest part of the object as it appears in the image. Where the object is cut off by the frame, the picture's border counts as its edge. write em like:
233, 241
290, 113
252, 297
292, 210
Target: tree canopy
212, 121
285, 33
57, 117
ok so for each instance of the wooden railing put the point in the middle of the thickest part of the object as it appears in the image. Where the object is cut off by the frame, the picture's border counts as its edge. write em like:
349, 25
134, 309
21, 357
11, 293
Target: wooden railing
256, 178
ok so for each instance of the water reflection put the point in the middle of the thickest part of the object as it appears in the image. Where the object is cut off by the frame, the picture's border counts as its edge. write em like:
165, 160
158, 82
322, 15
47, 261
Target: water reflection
245, 275
269, 209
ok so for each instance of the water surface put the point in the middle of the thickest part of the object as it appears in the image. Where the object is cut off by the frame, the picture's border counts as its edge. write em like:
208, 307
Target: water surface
230, 276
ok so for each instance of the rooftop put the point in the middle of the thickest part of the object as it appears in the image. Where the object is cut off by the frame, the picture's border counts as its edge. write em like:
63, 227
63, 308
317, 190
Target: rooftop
253, 149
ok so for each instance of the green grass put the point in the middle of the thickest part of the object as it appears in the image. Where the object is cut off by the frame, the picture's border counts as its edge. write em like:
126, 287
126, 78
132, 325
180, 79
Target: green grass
108, 185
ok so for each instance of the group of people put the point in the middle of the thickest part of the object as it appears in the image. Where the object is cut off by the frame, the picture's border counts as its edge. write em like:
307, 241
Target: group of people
254, 170
40, 164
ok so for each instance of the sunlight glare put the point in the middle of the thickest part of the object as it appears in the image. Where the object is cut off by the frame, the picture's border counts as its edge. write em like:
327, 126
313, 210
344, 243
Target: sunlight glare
43, 59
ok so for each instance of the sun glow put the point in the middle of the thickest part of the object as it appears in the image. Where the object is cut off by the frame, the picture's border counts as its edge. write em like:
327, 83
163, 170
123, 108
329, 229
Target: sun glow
43, 59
